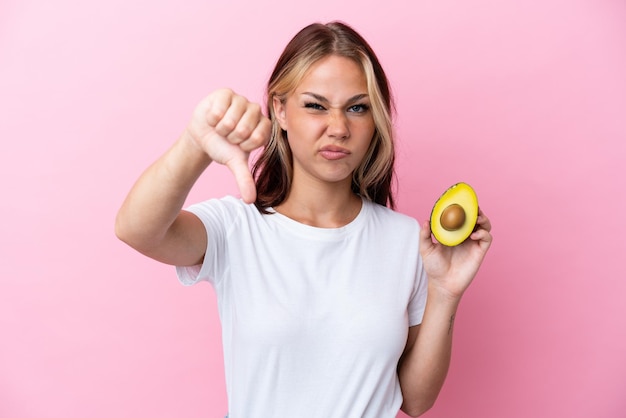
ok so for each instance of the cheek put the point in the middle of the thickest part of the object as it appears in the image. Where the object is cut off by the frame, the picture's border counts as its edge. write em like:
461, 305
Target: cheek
365, 130
306, 127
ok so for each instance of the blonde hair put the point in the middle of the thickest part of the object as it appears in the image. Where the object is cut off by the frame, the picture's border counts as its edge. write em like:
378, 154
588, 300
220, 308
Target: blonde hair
273, 170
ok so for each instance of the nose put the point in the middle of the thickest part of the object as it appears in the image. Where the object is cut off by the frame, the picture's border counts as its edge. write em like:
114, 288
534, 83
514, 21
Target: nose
338, 124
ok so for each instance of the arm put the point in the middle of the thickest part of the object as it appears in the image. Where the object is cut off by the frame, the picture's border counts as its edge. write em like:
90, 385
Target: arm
150, 219
224, 128
424, 364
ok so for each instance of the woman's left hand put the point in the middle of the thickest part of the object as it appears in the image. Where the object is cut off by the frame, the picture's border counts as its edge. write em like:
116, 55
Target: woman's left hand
452, 269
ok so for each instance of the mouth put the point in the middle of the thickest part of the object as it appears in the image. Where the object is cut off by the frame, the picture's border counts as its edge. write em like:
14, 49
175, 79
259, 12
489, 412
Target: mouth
333, 152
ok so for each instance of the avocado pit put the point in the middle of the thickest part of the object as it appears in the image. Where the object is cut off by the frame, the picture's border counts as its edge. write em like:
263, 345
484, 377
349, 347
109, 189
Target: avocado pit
452, 217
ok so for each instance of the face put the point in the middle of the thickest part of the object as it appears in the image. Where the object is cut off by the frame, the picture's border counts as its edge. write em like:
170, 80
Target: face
328, 120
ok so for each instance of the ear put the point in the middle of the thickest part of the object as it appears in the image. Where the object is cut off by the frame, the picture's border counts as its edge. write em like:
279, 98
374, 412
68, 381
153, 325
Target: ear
279, 112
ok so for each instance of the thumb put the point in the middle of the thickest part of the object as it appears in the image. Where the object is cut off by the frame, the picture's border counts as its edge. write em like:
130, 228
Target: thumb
426, 242
239, 167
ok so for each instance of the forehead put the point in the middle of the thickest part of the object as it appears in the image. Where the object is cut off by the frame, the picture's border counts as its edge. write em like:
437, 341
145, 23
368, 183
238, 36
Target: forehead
334, 73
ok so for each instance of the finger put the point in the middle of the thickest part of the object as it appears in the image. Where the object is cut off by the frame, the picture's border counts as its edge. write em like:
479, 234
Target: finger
483, 237
215, 106
259, 136
483, 221
248, 121
243, 177
426, 242
230, 119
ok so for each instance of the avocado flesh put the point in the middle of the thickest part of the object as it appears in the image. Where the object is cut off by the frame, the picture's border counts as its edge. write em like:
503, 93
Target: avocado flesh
460, 194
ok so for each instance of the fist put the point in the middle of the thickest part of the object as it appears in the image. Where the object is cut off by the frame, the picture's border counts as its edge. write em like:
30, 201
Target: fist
226, 126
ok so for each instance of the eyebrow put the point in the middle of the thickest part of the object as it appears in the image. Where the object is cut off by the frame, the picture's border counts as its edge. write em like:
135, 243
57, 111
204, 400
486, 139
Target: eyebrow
323, 99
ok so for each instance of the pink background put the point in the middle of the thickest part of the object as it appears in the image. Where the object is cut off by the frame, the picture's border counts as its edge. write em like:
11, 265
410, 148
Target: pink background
525, 100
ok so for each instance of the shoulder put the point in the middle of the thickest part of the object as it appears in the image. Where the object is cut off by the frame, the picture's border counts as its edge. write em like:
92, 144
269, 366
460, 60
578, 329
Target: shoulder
390, 217
226, 209
226, 203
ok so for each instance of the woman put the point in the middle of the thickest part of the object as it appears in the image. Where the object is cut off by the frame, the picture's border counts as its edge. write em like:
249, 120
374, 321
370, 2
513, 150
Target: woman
322, 291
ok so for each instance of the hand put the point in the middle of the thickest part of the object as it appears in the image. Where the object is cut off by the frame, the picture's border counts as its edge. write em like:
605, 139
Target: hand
452, 269
226, 126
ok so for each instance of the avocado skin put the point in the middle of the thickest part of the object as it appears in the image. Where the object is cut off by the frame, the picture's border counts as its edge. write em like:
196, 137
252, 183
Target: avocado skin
464, 195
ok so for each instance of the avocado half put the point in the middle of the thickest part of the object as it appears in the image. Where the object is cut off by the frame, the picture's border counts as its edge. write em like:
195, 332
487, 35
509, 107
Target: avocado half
454, 215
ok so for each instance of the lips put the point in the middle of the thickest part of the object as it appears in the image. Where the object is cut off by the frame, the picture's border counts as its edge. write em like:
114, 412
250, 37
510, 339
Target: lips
333, 152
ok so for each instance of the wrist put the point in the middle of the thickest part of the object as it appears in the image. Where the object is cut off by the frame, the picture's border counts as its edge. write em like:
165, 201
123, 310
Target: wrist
191, 150
443, 295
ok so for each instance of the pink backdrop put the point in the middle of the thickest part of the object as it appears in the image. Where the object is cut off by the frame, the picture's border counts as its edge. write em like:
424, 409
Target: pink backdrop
525, 100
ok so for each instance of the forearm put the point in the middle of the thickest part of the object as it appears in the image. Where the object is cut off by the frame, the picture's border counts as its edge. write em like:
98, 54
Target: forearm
424, 366
157, 197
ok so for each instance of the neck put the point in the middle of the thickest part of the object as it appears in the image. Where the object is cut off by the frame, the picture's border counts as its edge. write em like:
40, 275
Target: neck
323, 206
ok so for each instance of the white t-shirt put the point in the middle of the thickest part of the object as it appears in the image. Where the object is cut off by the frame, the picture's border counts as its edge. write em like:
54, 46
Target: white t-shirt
314, 320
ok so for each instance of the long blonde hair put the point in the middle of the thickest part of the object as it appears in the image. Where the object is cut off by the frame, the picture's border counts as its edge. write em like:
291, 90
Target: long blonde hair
273, 170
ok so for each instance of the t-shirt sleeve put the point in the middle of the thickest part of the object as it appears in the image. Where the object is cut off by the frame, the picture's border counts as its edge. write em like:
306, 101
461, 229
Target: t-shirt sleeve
417, 303
215, 215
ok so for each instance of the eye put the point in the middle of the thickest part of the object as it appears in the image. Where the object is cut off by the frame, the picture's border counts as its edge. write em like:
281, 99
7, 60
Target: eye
314, 106
358, 108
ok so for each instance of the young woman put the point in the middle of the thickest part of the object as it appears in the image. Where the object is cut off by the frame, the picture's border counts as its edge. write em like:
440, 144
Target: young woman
332, 304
